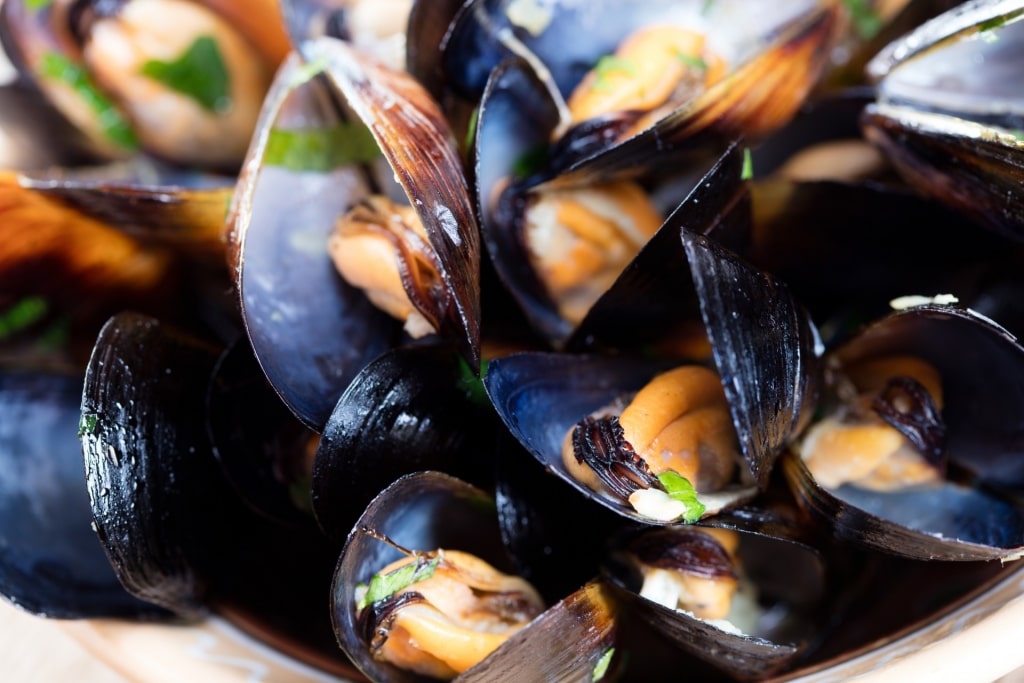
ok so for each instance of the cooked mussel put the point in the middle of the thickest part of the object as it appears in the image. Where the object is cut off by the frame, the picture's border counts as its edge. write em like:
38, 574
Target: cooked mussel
720, 593
183, 80
692, 100
923, 402
461, 519
931, 108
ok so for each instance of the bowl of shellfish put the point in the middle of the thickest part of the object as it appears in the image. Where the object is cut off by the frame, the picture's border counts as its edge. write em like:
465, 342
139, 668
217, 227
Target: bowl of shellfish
705, 364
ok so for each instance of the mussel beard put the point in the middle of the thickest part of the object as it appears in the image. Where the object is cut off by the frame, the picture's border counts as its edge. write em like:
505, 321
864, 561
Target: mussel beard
679, 423
886, 431
689, 569
447, 622
383, 249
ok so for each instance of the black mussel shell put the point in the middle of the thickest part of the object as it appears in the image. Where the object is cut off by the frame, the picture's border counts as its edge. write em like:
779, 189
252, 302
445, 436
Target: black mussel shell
51, 563
172, 527
158, 204
977, 513
310, 330
417, 142
787, 580
766, 348
414, 408
951, 132
427, 33
152, 481
265, 451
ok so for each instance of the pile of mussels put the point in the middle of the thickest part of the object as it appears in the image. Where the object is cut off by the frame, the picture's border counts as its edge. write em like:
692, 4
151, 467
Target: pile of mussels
514, 339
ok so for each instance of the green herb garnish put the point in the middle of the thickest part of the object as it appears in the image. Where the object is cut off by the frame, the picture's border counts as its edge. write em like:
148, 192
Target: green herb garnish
34, 5
866, 21
385, 585
748, 165
608, 65
679, 488
474, 120
601, 668
56, 66
706, 7
692, 61
198, 73
87, 425
21, 315
321, 149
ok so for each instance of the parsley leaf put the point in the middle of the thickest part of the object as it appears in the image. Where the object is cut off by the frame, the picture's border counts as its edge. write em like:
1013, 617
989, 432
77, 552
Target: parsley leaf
679, 488
57, 67
748, 165
866, 21
601, 668
321, 149
34, 5
385, 585
87, 425
21, 315
199, 72
692, 61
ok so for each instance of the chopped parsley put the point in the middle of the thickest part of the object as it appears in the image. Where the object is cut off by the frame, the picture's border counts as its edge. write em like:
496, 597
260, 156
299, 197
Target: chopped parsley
21, 315
601, 668
608, 65
199, 73
866, 21
531, 161
87, 425
35, 5
474, 120
385, 585
680, 489
748, 165
692, 61
321, 149
56, 66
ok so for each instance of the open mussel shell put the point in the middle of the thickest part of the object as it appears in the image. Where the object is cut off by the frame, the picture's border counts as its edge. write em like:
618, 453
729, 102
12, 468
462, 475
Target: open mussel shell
931, 108
707, 195
284, 209
51, 563
783, 578
158, 204
417, 142
414, 408
977, 516
65, 49
37, 137
463, 517
542, 396
785, 47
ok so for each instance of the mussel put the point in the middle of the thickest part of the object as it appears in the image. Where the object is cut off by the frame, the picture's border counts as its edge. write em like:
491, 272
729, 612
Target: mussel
930, 110
183, 80
934, 470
